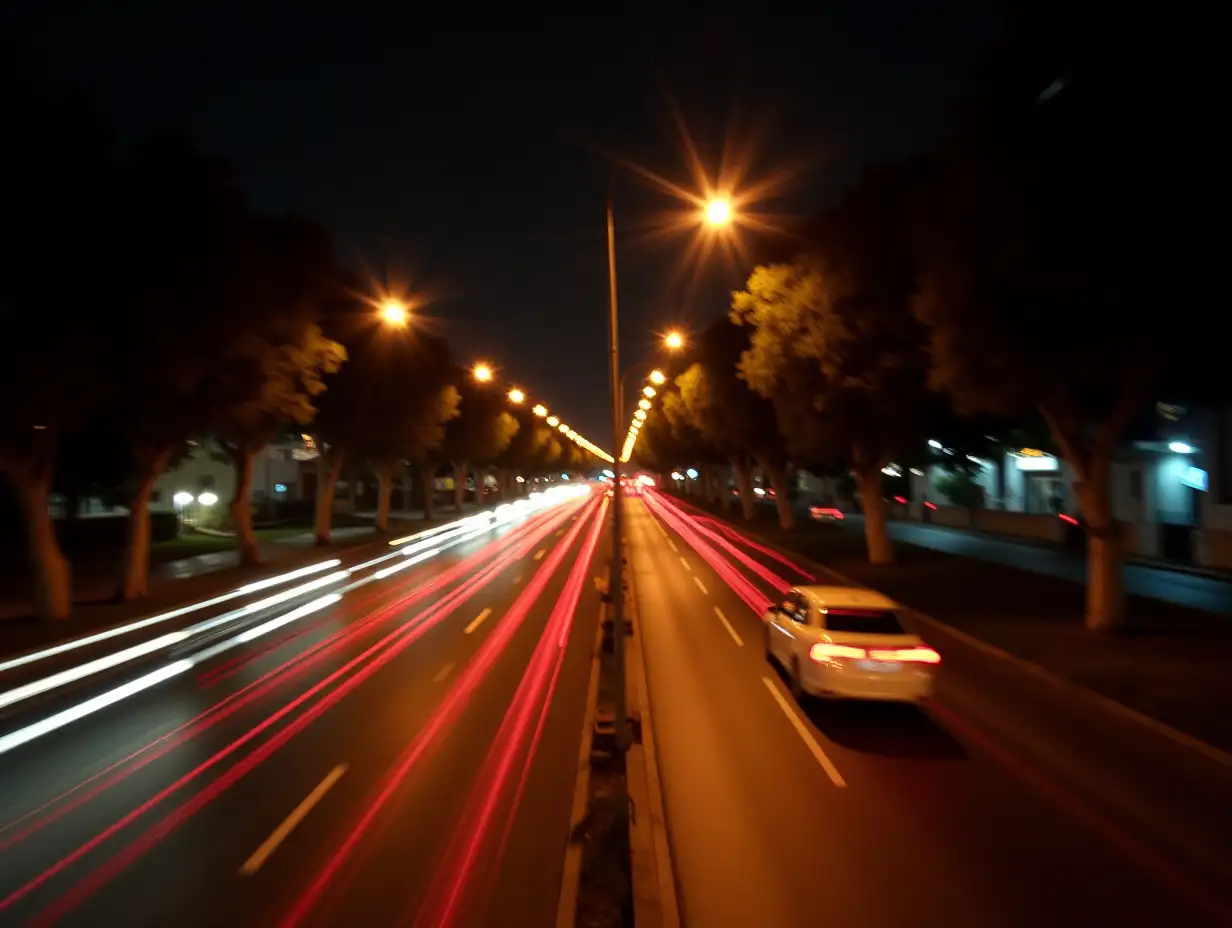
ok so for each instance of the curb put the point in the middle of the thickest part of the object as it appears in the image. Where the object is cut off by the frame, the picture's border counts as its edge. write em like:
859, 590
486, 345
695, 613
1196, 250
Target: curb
571, 879
1218, 755
654, 878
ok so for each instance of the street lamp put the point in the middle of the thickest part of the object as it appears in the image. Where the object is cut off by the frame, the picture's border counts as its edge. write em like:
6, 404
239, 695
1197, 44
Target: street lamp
643, 404
540, 410
395, 314
516, 395
482, 372
658, 378
719, 212
649, 393
673, 341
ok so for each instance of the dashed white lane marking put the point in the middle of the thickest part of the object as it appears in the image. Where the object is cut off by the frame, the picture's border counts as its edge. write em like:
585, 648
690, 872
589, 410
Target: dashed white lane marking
477, 621
279, 834
701, 586
727, 625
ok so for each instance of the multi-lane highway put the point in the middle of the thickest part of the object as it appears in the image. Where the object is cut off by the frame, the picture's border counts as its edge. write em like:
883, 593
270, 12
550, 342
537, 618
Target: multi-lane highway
782, 815
385, 741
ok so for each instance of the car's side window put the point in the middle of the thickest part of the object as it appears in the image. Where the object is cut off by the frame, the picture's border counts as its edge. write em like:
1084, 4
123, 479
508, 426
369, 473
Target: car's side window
797, 608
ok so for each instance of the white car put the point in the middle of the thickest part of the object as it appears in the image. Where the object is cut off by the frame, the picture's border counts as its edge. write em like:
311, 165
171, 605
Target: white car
842, 642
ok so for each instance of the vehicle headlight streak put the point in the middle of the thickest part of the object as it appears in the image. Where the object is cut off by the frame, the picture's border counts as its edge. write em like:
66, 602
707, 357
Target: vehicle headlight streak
246, 590
343, 681
458, 533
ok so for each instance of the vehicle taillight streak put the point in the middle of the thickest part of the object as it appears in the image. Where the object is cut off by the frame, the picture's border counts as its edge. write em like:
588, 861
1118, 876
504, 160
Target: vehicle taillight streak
752, 597
380, 653
534, 692
761, 570
445, 714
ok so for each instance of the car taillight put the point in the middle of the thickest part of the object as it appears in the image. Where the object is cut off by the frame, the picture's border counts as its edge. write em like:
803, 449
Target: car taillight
823, 651
920, 655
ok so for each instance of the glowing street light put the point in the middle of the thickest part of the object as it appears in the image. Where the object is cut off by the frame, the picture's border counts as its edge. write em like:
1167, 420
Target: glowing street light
540, 410
640, 414
643, 404
516, 395
553, 421
657, 378
563, 428
395, 314
482, 372
649, 393
719, 212
673, 341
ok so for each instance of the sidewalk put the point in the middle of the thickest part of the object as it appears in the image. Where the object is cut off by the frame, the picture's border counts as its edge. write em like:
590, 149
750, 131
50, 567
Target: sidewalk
1172, 667
1181, 587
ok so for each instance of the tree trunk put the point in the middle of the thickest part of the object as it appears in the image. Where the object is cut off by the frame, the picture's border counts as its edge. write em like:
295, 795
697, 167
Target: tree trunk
876, 528
384, 492
137, 558
725, 497
241, 508
1105, 548
329, 469
406, 490
459, 485
782, 503
427, 474
744, 482
53, 594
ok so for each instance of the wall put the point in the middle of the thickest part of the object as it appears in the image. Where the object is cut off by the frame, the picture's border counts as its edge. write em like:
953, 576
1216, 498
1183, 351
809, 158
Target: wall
1021, 525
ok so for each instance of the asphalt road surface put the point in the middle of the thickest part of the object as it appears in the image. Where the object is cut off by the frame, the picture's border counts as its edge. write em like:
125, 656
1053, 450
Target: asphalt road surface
402, 751
1174, 586
870, 815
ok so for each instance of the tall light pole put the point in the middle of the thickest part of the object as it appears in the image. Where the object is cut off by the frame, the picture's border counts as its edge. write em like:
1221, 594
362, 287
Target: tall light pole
617, 574
717, 212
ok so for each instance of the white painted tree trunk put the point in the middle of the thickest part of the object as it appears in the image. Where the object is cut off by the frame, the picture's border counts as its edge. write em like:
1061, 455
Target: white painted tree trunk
876, 527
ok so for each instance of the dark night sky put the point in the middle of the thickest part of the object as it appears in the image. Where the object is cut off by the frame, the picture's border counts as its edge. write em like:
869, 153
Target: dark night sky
470, 148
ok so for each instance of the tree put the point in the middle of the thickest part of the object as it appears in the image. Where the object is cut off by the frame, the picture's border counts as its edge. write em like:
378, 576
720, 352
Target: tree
409, 423
175, 255
833, 341
276, 370
531, 452
388, 404
1053, 223
738, 422
479, 433
54, 193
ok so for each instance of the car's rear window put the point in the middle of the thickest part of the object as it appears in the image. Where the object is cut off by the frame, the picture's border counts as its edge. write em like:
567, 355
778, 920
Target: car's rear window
864, 621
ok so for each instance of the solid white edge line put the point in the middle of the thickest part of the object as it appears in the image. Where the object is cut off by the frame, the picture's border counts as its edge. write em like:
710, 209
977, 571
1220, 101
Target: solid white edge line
727, 625
807, 736
298, 814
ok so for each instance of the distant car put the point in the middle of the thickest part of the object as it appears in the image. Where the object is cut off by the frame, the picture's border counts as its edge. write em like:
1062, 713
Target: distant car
839, 642
826, 513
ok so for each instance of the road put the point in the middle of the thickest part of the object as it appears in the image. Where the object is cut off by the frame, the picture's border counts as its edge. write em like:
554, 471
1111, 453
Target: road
1185, 589
402, 750
868, 815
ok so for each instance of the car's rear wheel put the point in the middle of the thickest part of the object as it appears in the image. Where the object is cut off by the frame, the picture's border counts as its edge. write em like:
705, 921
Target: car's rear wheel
797, 691
765, 637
